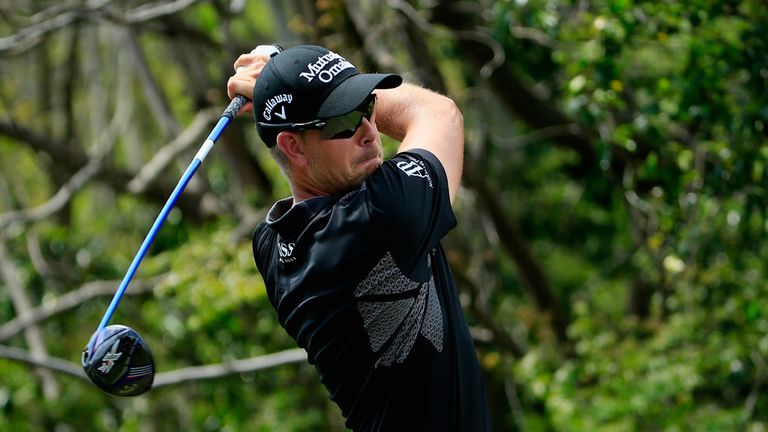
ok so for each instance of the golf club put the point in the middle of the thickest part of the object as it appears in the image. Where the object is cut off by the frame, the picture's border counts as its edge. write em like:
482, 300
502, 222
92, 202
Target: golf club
117, 359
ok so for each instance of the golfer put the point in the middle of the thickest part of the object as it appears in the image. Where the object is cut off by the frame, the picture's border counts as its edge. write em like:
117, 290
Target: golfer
352, 260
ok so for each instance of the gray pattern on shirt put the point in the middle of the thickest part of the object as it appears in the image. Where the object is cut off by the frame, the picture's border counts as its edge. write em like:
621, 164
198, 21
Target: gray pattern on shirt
393, 324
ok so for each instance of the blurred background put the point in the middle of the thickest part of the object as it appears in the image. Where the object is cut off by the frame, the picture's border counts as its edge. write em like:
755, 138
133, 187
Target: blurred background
610, 251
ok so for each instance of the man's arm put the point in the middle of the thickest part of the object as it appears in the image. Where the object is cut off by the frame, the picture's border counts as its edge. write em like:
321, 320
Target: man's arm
420, 118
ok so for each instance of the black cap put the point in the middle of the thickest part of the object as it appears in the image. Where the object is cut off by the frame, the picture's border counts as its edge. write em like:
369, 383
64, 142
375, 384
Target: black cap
309, 82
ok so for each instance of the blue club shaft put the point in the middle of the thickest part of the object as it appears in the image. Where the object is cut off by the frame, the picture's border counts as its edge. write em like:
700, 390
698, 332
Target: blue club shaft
226, 118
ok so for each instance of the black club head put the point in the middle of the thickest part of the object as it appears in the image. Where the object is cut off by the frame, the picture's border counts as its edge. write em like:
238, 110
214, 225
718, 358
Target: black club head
119, 362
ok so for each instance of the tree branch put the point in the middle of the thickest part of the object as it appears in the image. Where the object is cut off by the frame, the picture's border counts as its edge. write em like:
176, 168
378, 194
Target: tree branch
30, 36
162, 158
755, 391
507, 83
372, 41
69, 301
74, 158
413, 29
60, 16
103, 146
32, 334
165, 379
155, 10
58, 201
549, 132
498, 336
43, 361
513, 241
220, 370
157, 100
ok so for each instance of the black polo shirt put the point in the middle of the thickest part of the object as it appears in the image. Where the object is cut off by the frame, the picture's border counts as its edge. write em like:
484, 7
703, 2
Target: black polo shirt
361, 283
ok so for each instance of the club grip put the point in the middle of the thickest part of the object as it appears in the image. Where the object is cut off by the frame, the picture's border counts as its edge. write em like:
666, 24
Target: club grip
238, 101
234, 106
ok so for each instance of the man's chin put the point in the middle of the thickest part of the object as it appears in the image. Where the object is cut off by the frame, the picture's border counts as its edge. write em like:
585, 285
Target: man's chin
370, 165
366, 169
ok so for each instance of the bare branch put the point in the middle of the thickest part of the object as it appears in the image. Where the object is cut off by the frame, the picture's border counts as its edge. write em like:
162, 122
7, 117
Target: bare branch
69, 301
47, 13
47, 21
30, 36
157, 100
165, 379
499, 57
516, 245
94, 166
43, 361
533, 34
541, 134
57, 202
414, 31
491, 332
73, 158
36, 256
207, 372
156, 10
507, 82
413, 15
372, 40
751, 402
515, 405
60, 16
23, 305
168, 153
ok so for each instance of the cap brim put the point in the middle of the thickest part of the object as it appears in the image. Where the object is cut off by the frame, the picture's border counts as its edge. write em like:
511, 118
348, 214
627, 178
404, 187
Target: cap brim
352, 92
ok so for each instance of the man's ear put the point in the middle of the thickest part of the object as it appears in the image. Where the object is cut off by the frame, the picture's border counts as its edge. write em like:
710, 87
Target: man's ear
292, 145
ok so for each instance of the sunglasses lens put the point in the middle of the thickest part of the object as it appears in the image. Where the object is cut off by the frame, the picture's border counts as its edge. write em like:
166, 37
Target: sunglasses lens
342, 126
346, 125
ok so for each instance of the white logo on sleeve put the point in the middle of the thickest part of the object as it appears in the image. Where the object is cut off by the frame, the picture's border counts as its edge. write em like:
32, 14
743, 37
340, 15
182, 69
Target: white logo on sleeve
414, 168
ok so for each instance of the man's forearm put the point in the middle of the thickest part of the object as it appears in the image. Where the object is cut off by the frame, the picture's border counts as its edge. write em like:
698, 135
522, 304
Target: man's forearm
401, 108
420, 118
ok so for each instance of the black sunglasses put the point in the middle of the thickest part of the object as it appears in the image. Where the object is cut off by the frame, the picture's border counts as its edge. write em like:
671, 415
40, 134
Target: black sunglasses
340, 127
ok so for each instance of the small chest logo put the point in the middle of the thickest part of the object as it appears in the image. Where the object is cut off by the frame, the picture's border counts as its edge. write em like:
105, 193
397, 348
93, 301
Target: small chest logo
286, 252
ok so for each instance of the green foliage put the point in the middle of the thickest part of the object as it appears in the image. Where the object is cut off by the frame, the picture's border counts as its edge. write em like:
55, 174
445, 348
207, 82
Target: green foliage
655, 252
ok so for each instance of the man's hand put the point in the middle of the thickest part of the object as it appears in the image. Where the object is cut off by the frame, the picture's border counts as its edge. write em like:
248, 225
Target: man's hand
247, 70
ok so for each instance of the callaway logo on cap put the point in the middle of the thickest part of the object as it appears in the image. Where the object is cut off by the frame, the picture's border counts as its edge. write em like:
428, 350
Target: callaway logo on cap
309, 82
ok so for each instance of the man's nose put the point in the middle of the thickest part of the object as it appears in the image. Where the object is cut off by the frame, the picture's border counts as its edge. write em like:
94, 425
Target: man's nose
368, 129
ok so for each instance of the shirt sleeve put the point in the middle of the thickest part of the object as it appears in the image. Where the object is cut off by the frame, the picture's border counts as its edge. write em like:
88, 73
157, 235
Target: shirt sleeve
410, 200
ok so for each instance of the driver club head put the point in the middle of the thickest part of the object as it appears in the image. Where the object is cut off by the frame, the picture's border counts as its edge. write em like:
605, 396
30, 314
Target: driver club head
119, 362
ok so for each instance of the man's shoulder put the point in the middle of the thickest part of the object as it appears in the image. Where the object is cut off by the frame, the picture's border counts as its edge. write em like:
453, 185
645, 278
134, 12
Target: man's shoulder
261, 231
262, 240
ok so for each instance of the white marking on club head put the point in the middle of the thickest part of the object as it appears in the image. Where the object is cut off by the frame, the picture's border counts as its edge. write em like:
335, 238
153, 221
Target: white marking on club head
108, 362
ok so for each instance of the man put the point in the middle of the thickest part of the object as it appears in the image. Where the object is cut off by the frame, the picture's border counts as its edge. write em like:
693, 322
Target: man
352, 260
